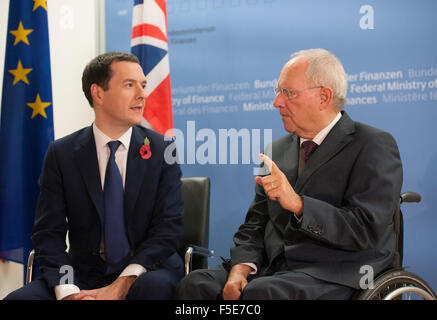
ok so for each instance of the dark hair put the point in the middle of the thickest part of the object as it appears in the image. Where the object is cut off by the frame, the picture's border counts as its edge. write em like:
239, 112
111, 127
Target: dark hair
99, 71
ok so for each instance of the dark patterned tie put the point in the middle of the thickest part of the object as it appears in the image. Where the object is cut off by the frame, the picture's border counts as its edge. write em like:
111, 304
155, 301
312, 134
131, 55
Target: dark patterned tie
116, 242
308, 148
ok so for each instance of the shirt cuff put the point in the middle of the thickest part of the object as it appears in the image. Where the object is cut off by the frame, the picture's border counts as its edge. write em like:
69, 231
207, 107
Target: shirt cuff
252, 265
133, 270
64, 290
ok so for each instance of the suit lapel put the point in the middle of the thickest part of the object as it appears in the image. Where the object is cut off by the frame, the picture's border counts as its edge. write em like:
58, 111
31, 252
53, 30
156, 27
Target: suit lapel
86, 157
286, 158
289, 162
136, 169
335, 141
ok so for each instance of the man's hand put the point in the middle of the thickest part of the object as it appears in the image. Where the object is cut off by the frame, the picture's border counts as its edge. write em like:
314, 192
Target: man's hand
81, 297
237, 280
277, 187
115, 291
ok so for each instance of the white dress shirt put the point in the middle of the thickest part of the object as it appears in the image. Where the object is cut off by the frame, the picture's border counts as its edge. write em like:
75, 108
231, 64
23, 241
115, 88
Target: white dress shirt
317, 139
103, 152
324, 132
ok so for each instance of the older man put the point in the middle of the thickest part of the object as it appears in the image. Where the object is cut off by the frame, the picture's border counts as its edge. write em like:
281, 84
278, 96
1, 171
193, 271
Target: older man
326, 207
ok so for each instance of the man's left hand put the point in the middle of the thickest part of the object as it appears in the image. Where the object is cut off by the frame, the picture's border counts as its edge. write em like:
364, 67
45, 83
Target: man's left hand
277, 187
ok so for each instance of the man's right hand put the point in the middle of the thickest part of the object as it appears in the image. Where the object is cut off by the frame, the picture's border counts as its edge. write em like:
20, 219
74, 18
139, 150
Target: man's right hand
237, 280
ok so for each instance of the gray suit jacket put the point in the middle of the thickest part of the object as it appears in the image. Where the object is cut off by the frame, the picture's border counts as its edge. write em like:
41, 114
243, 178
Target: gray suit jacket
350, 188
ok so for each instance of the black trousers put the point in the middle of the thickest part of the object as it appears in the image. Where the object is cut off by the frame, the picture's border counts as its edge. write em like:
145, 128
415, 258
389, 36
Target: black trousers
207, 284
152, 285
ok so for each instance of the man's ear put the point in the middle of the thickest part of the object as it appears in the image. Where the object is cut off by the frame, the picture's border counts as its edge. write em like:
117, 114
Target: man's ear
326, 97
97, 93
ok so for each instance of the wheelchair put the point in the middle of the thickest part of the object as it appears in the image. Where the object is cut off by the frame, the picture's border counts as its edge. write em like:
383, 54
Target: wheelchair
396, 283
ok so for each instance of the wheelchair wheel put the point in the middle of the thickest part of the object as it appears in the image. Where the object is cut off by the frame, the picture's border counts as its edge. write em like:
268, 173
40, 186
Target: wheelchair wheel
398, 285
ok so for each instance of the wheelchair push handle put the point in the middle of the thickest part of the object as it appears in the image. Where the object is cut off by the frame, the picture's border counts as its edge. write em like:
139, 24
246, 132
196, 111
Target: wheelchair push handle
410, 197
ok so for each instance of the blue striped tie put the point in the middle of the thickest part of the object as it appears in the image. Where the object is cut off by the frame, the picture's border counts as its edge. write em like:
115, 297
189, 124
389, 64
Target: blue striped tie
116, 242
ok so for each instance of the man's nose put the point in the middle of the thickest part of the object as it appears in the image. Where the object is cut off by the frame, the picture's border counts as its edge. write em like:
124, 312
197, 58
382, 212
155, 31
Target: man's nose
278, 101
141, 93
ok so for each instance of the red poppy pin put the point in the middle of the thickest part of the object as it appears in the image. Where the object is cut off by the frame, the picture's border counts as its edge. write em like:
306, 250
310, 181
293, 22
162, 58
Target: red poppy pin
145, 151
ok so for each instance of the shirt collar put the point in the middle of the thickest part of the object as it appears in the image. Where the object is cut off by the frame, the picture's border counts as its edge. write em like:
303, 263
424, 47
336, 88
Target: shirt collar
102, 139
324, 132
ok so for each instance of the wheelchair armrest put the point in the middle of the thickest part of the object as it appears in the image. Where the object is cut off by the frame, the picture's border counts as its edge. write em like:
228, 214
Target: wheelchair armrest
410, 197
195, 250
30, 263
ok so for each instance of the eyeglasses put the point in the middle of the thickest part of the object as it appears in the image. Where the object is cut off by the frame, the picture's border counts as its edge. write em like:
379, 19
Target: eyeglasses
291, 94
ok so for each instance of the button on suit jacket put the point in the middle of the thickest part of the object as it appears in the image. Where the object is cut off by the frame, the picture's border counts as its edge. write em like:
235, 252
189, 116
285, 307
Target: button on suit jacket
71, 198
350, 188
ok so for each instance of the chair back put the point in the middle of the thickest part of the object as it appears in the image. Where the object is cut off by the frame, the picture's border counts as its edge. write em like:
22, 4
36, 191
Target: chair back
399, 225
196, 196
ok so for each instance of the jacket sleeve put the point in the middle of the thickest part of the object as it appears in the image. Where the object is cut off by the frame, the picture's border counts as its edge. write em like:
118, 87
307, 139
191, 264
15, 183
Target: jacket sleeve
50, 227
249, 239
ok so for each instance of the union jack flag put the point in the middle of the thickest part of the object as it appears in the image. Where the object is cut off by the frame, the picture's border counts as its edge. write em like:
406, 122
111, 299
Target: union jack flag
149, 43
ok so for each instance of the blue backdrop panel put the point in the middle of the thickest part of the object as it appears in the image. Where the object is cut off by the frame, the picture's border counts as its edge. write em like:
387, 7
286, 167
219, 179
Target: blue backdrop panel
225, 57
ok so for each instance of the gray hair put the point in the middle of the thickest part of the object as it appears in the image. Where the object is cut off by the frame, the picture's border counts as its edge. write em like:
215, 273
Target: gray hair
326, 70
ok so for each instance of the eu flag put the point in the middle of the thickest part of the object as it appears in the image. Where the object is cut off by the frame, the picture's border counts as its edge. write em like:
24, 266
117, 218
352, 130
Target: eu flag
26, 123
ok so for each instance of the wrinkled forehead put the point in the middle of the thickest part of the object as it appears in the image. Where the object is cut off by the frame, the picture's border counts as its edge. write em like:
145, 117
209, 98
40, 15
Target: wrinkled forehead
293, 72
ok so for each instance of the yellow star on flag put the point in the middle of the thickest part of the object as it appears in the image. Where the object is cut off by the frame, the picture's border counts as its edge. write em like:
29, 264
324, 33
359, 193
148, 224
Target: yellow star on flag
20, 74
21, 34
38, 107
39, 3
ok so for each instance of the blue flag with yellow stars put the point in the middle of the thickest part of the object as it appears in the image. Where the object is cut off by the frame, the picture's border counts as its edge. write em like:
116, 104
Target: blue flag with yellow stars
26, 124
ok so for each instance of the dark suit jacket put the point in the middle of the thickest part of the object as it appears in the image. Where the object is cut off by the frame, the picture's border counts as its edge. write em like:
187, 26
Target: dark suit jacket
71, 198
350, 188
